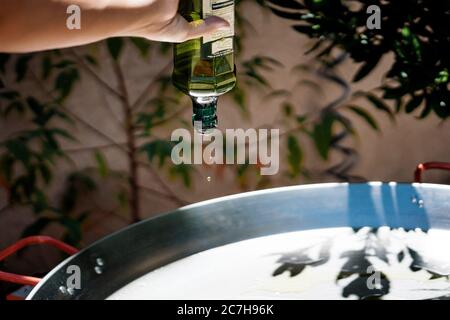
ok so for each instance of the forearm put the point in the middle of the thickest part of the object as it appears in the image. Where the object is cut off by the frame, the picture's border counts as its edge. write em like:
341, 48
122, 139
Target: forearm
32, 25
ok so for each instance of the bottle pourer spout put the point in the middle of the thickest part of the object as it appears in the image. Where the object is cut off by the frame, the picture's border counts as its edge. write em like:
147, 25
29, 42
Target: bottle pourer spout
205, 117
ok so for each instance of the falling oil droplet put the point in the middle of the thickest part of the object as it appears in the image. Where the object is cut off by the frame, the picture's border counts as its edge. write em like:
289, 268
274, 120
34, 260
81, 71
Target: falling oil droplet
100, 262
63, 290
209, 179
70, 291
98, 270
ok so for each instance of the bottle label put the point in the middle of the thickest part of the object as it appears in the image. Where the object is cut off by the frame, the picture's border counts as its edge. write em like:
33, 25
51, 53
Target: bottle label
220, 42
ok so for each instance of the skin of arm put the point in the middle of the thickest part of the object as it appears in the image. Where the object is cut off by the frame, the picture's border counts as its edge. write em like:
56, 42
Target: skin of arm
35, 25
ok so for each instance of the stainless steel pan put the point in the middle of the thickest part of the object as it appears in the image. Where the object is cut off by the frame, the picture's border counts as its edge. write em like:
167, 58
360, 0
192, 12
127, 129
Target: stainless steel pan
115, 261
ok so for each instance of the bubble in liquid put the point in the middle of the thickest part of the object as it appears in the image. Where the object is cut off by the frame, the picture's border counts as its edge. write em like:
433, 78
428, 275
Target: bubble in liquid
209, 179
100, 262
98, 270
421, 203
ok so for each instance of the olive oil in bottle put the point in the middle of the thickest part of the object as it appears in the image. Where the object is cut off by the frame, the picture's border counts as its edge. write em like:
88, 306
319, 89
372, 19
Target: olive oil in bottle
204, 68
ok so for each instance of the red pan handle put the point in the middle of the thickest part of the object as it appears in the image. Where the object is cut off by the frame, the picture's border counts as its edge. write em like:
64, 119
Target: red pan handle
26, 280
421, 168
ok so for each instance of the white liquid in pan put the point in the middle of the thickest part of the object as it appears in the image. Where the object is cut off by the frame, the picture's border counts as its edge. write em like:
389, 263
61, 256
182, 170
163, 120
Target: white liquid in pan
318, 264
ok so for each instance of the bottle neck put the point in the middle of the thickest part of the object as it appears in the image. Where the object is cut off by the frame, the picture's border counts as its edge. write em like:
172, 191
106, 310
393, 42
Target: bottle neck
205, 114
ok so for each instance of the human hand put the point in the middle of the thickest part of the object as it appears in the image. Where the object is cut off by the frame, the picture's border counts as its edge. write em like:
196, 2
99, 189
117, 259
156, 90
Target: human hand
161, 22
33, 25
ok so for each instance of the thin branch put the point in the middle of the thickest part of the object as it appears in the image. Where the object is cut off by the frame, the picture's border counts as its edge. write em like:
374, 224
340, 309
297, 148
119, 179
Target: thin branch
2, 78
77, 117
167, 119
4, 208
171, 117
95, 76
170, 194
164, 195
133, 180
150, 86
161, 182
86, 149
95, 130
110, 110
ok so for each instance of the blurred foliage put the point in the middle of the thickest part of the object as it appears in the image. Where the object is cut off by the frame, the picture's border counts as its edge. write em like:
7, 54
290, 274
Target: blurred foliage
29, 157
415, 32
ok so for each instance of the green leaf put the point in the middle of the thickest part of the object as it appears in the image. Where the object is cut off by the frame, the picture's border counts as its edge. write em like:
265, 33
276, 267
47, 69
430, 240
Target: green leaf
102, 164
91, 60
366, 68
239, 98
183, 171
19, 151
47, 67
365, 115
16, 106
115, 46
414, 103
122, 198
21, 67
36, 107
4, 58
380, 105
73, 230
45, 172
7, 166
9, 95
62, 133
37, 227
159, 149
64, 64
142, 45
39, 201
295, 156
65, 82
322, 135
82, 180
288, 109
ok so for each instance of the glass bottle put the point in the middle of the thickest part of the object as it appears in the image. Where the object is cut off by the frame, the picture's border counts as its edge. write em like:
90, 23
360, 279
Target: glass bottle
204, 68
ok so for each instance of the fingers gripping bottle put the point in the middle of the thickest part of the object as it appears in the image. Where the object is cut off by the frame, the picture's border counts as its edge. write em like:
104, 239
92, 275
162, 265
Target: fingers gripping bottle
204, 68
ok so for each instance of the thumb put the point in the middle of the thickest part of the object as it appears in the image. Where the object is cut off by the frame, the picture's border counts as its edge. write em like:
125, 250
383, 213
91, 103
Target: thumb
206, 27
180, 30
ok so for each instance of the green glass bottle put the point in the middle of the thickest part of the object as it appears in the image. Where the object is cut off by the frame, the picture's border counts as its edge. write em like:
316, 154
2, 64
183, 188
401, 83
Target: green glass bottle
204, 68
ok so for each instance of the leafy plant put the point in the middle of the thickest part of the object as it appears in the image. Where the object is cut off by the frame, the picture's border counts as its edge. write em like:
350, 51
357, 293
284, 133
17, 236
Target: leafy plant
415, 32
28, 158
